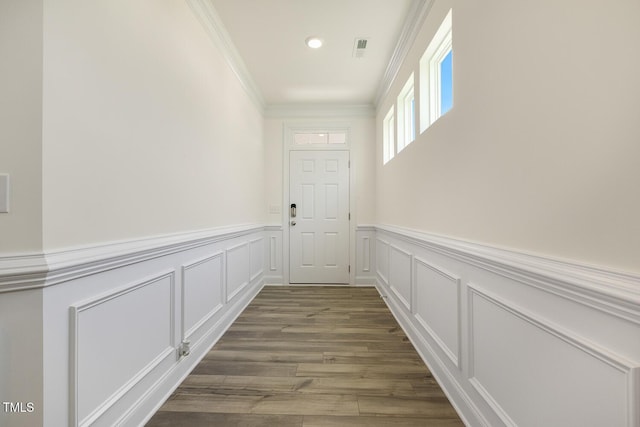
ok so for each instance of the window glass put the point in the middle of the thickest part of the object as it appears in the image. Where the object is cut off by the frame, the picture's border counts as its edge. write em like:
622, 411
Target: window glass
388, 137
303, 138
446, 83
436, 75
406, 115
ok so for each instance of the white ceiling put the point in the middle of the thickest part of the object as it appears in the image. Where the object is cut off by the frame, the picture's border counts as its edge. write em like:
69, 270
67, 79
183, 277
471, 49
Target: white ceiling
269, 36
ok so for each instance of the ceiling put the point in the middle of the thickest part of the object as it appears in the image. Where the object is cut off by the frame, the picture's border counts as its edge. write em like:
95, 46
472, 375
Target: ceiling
269, 36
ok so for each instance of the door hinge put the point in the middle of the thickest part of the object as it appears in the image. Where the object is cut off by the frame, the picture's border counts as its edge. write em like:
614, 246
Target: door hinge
349, 163
349, 269
349, 216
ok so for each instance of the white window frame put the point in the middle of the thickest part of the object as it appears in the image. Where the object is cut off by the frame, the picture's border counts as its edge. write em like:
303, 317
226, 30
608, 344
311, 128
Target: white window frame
388, 136
430, 79
406, 114
320, 133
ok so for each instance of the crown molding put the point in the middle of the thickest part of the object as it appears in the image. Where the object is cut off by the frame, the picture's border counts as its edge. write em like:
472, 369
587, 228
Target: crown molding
318, 110
210, 20
418, 13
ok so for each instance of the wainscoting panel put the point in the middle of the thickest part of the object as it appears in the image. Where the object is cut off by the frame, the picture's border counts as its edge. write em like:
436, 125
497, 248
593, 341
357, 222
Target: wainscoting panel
257, 258
114, 318
104, 362
400, 266
365, 255
238, 269
273, 255
575, 382
515, 339
437, 307
202, 293
382, 261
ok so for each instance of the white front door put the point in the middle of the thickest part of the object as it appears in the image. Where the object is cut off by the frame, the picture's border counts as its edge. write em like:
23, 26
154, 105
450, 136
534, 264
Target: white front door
319, 231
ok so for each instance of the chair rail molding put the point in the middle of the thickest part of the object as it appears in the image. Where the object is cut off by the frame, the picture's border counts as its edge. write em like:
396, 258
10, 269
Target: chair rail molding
38, 270
121, 323
609, 290
490, 321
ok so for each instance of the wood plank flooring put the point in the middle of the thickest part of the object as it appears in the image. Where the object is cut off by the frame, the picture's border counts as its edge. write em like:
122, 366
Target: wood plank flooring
310, 356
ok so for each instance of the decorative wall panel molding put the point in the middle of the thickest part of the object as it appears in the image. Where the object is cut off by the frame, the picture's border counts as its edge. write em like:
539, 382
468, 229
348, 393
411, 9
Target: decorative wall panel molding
123, 323
256, 257
516, 339
437, 307
37, 270
485, 320
24, 271
365, 255
273, 255
506, 344
202, 292
110, 354
238, 269
400, 272
382, 261
615, 292
273, 245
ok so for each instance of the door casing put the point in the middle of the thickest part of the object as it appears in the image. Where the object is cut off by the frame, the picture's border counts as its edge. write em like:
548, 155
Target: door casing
289, 128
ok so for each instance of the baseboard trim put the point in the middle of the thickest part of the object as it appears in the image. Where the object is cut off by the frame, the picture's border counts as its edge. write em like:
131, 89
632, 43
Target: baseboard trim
463, 404
152, 401
587, 316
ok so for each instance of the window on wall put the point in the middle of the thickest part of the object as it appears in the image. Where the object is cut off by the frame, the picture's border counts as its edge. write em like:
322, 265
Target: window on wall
320, 137
406, 115
388, 136
436, 75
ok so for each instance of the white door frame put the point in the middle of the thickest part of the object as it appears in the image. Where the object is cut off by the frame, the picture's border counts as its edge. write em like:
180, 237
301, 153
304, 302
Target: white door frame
289, 128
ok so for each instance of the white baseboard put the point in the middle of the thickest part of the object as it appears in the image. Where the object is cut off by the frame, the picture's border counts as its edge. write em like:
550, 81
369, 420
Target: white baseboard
483, 319
516, 339
114, 317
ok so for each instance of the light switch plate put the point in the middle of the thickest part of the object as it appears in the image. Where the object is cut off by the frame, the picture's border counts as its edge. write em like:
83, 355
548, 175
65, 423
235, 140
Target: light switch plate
4, 193
274, 209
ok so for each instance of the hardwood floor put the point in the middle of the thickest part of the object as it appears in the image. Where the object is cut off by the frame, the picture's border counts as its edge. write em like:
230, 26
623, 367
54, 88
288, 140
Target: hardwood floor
310, 356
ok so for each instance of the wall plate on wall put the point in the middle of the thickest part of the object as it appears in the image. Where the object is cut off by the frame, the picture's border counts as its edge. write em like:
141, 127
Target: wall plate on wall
4, 193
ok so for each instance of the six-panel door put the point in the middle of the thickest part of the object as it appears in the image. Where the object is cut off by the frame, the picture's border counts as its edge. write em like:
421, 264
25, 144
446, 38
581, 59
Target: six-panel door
319, 232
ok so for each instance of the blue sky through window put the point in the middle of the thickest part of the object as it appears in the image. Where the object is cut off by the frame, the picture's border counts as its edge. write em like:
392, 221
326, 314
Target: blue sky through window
446, 83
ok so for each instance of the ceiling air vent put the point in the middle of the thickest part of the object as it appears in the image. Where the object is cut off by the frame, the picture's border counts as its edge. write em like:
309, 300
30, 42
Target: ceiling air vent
360, 47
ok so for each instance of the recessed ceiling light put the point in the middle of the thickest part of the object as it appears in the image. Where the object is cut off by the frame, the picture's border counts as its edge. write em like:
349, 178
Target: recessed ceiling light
313, 42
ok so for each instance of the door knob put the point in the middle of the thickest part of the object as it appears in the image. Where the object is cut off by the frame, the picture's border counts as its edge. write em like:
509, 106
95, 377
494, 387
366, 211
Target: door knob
293, 223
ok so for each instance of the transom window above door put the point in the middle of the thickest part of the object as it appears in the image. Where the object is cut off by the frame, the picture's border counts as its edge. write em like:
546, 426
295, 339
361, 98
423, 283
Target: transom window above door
319, 137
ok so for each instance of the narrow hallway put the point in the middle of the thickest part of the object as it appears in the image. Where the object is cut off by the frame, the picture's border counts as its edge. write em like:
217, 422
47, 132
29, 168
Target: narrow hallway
310, 356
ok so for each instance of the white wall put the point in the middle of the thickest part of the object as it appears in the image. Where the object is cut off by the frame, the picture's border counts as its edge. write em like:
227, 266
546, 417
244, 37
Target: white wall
123, 122
146, 129
539, 152
538, 156
21, 123
362, 135
21, 367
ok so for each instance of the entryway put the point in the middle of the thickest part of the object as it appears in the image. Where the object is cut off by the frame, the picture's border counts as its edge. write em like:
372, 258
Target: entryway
319, 216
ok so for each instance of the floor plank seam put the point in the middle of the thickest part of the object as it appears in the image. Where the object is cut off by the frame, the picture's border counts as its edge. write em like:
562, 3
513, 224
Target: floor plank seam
310, 356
